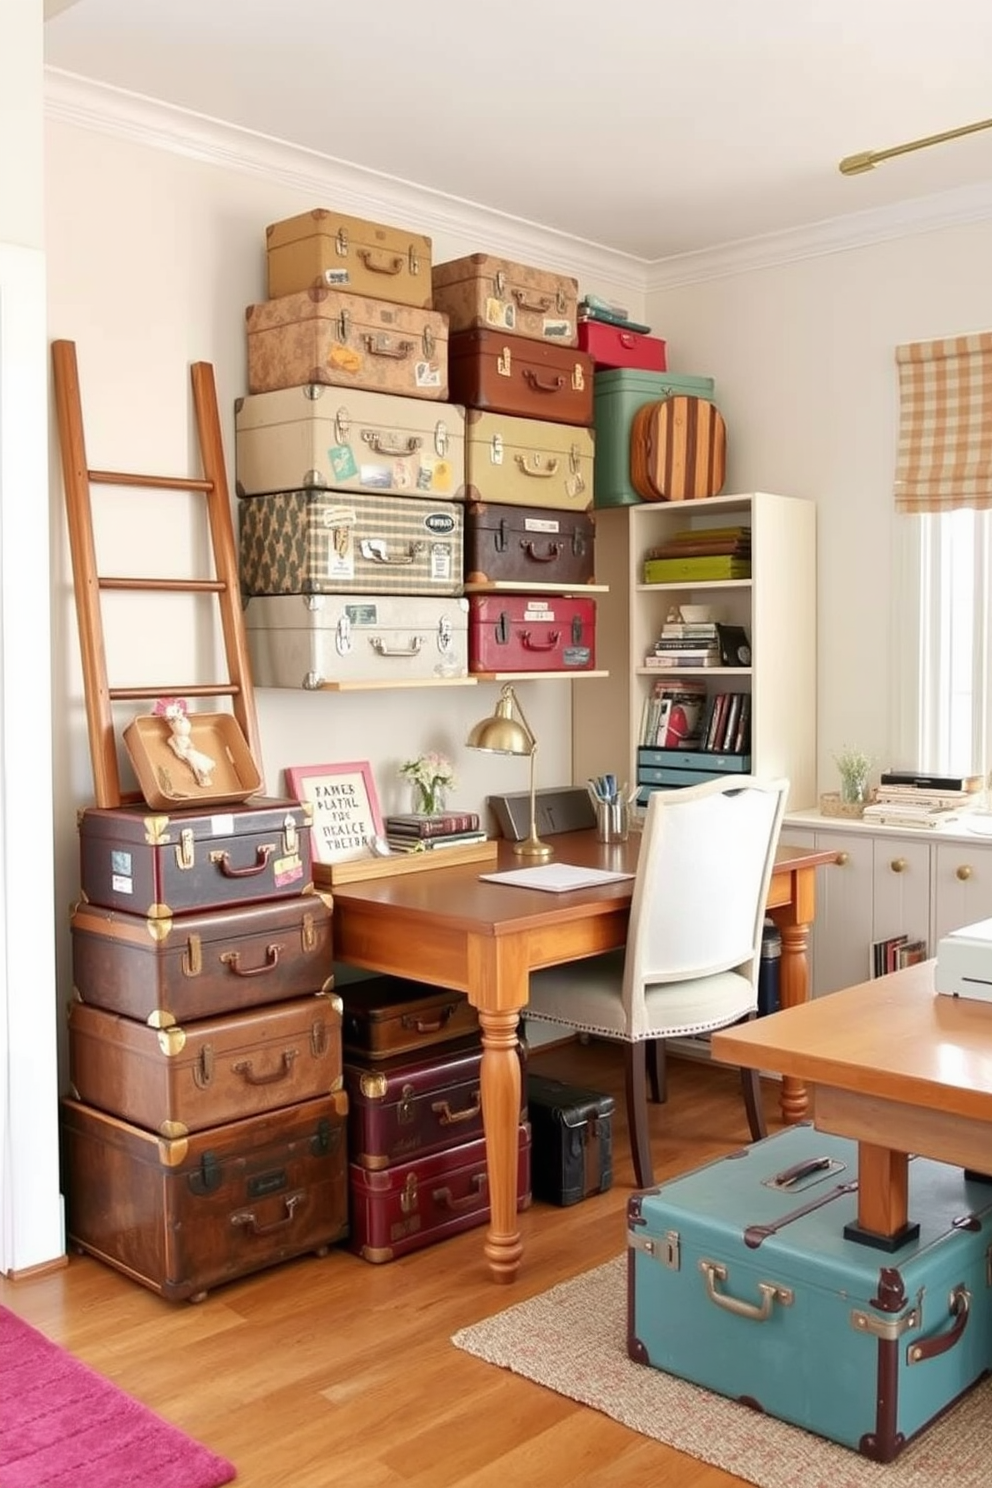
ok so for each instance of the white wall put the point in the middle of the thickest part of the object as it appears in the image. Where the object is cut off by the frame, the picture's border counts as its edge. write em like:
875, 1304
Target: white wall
804, 360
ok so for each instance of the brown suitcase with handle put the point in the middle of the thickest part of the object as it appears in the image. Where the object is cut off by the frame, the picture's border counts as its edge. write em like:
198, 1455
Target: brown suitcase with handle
326, 250
483, 291
509, 374
678, 450
389, 1015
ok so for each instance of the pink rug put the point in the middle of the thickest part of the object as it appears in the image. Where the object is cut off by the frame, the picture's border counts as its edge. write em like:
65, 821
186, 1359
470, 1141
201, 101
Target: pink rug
64, 1426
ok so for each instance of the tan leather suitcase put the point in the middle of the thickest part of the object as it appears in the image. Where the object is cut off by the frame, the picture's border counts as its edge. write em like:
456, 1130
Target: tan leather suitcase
182, 1215
345, 340
356, 441
509, 374
527, 461
324, 249
678, 450
481, 290
192, 1076
387, 1015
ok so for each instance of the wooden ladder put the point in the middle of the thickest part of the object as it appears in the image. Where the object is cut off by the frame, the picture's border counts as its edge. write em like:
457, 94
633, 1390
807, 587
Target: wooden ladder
88, 583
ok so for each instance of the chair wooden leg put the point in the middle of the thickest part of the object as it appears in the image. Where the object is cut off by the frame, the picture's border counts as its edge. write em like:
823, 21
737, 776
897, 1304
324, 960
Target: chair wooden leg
654, 1053
751, 1086
637, 1115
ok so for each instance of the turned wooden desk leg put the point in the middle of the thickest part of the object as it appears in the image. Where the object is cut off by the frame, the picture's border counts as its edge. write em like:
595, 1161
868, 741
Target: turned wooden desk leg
500, 1079
793, 990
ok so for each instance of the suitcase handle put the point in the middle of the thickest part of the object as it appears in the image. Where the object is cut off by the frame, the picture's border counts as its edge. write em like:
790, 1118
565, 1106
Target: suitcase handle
263, 853
959, 1306
382, 445
244, 1067
381, 649
452, 1118
249, 1219
232, 960
529, 466
542, 304
443, 1200
382, 346
757, 1312
393, 266
554, 549
419, 1025
529, 644
626, 339
376, 551
554, 386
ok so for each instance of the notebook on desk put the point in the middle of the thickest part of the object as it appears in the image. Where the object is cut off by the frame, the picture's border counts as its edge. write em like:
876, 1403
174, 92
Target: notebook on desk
555, 878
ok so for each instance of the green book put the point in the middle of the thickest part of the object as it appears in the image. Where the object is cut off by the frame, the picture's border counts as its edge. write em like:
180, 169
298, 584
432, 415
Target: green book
715, 566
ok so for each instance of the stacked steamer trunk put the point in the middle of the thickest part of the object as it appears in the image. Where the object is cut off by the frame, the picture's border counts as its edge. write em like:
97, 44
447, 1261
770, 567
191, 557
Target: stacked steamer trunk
350, 462
417, 1154
206, 1134
527, 388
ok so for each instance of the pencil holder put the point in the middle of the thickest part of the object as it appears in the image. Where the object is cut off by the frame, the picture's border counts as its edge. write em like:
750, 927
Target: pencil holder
612, 820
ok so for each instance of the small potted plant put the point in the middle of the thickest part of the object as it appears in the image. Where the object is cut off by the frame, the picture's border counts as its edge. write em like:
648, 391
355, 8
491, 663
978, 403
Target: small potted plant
432, 776
855, 767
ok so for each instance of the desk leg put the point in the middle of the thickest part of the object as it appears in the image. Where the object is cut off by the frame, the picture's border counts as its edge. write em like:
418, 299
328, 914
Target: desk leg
793, 990
883, 1199
500, 1079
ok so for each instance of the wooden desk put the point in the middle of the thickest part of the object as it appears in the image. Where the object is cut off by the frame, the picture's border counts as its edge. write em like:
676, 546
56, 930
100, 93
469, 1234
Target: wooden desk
895, 1066
484, 939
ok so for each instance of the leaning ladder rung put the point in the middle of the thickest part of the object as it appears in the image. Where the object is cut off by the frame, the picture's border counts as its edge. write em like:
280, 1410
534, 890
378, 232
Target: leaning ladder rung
157, 482
171, 586
199, 689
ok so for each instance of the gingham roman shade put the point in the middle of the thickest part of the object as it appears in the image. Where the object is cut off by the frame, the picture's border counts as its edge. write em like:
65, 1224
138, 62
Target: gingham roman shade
944, 458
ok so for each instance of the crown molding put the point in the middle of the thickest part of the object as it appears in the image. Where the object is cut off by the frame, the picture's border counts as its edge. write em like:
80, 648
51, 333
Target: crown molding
904, 219
80, 101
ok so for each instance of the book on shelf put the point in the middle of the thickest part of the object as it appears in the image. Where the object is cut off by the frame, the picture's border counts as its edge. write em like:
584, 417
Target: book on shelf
695, 644
882, 814
699, 542
726, 726
695, 570
671, 661
925, 781
430, 824
672, 714
911, 795
690, 630
401, 844
893, 953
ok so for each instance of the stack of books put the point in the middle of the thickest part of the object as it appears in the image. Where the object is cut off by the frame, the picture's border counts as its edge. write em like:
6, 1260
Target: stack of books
903, 799
416, 831
700, 554
681, 644
672, 715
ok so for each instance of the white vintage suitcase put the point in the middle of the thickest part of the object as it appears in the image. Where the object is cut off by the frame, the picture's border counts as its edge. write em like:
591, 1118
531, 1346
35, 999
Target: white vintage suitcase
527, 462
349, 441
316, 639
340, 542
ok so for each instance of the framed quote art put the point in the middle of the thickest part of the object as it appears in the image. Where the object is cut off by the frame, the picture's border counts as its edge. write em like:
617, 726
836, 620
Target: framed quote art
345, 806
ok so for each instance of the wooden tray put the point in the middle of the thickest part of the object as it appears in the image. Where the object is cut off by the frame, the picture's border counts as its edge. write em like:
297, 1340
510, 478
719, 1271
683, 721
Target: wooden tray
355, 870
166, 781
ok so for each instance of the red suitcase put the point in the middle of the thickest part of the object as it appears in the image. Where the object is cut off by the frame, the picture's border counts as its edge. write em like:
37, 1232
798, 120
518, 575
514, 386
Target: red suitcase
181, 1216
195, 966
531, 633
186, 1078
415, 1204
610, 346
527, 545
511, 374
386, 1015
160, 863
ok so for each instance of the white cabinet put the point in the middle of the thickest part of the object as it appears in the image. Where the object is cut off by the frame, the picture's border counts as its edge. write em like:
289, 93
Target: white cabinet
962, 886
776, 605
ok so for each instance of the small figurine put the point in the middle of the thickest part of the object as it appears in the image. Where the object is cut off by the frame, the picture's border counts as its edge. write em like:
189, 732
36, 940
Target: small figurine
173, 710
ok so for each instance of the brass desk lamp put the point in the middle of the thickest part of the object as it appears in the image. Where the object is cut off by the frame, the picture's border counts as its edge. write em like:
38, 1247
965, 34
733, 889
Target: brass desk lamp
503, 733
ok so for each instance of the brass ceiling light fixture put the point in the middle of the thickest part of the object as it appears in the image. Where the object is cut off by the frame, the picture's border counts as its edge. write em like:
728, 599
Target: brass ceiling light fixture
854, 165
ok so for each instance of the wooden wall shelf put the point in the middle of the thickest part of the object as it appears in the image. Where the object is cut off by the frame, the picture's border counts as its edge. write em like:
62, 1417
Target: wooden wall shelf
359, 870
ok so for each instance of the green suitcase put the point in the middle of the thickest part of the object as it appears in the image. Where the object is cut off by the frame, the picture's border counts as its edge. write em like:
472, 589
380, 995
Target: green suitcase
617, 395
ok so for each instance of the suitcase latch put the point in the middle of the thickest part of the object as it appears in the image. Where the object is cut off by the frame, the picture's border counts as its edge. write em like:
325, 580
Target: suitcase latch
185, 849
405, 1110
499, 284
665, 1248
501, 540
290, 837
444, 634
192, 957
342, 636
207, 1178
502, 631
413, 260
308, 932
318, 1038
578, 378
504, 363
203, 1069
561, 303
325, 1139
343, 323
576, 630
342, 425
496, 450
428, 342
341, 243
440, 438
408, 1198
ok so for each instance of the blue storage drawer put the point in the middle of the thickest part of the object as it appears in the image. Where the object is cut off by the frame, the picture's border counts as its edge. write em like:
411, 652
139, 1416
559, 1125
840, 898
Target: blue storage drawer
741, 1279
694, 759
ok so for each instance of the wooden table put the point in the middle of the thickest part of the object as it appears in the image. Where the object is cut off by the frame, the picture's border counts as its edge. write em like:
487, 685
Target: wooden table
448, 928
895, 1066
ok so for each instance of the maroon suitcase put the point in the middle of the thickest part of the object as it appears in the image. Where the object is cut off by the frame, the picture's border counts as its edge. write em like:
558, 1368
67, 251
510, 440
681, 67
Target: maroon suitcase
418, 1203
386, 1015
192, 1076
159, 863
195, 966
511, 374
531, 633
181, 1216
527, 545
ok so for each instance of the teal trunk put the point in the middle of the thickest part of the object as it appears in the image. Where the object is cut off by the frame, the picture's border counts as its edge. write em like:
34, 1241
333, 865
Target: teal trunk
617, 395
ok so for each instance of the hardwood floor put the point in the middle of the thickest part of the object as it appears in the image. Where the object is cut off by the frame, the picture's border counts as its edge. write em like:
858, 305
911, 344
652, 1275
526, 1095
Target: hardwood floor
334, 1371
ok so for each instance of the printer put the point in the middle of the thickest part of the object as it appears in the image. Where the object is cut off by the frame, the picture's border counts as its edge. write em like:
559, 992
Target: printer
964, 962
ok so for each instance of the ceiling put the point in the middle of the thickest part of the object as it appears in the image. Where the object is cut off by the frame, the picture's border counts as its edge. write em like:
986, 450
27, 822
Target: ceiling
645, 126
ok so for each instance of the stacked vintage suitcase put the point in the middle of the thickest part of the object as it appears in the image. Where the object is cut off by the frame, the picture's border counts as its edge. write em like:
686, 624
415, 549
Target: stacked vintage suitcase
417, 1154
207, 1134
351, 464
527, 388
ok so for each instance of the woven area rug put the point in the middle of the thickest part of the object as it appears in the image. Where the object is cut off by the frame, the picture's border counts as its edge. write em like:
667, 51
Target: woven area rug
573, 1339
64, 1426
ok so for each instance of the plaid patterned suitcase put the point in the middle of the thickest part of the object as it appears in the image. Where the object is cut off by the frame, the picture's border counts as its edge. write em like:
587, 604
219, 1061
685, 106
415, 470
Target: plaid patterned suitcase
741, 1279
335, 542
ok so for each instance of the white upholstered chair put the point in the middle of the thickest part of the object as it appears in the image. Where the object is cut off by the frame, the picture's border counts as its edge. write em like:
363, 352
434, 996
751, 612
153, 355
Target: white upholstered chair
693, 945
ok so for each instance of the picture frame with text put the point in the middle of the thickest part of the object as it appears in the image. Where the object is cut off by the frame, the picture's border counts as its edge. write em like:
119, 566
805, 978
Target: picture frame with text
345, 807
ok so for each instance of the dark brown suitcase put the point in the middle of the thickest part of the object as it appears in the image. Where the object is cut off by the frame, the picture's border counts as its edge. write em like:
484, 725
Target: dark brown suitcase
418, 1203
511, 374
386, 1015
186, 1078
182, 1216
403, 1108
572, 1140
160, 864
527, 545
198, 965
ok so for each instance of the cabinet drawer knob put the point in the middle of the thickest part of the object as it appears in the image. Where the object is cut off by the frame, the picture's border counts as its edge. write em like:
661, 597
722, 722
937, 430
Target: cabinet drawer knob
963, 873
898, 865
842, 858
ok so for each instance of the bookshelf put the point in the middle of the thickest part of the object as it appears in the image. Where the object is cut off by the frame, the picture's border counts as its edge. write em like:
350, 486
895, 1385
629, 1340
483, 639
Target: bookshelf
776, 606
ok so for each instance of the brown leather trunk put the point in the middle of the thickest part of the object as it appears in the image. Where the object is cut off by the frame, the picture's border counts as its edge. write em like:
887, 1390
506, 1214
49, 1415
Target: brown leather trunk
510, 374
184, 1079
164, 972
418, 1203
160, 863
527, 545
385, 1016
678, 450
182, 1216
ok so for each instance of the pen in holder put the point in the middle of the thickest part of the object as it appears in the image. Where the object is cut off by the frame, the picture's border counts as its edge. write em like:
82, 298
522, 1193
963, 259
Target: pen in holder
612, 820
